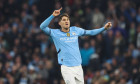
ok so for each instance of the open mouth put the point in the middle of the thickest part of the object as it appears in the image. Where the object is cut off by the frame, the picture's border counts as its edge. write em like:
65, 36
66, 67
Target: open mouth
66, 24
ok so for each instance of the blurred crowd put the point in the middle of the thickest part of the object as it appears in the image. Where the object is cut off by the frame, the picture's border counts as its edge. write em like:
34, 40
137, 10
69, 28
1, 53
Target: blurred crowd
28, 56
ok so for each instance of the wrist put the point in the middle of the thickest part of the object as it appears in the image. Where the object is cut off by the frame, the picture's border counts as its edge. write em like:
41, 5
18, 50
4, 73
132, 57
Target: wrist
53, 15
106, 28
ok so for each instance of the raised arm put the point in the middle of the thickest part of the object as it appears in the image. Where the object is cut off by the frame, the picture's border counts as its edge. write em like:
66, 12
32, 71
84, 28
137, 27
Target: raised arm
97, 31
44, 24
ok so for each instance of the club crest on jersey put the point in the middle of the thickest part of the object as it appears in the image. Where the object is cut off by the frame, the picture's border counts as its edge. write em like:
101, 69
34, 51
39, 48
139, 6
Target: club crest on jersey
68, 34
73, 33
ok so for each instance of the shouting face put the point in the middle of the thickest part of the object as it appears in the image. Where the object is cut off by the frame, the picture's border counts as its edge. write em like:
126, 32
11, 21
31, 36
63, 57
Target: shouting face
64, 22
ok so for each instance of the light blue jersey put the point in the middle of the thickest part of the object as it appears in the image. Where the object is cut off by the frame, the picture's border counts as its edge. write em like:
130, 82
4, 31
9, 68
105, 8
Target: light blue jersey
66, 43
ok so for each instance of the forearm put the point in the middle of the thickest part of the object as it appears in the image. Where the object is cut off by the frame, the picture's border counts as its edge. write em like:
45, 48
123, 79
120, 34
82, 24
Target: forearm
46, 22
94, 31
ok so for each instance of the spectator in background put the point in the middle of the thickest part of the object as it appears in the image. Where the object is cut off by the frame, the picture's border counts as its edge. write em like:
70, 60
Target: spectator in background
129, 11
94, 58
44, 43
86, 53
122, 22
109, 38
132, 32
88, 16
32, 74
99, 47
138, 37
42, 73
119, 41
134, 50
97, 18
138, 16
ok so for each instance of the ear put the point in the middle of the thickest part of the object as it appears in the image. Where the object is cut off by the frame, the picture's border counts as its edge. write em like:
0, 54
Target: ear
59, 23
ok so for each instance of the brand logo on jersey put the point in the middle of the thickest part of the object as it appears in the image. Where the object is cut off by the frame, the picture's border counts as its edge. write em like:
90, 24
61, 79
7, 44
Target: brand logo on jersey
73, 33
69, 39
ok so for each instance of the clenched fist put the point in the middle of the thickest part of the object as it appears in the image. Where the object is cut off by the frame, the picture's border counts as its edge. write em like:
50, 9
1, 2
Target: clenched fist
57, 12
108, 25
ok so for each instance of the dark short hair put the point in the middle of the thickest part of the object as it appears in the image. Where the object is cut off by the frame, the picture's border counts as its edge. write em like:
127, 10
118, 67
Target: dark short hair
60, 17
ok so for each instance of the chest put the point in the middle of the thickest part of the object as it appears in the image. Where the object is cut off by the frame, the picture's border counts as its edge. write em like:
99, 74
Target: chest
68, 37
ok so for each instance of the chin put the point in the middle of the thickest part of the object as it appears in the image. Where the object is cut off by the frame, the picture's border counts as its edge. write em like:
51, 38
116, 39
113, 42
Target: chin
66, 28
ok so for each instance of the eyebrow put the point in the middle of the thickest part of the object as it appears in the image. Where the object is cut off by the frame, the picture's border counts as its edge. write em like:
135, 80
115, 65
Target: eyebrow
65, 19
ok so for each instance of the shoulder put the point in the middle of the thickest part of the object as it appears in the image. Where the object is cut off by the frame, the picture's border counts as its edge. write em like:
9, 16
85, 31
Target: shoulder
75, 28
78, 30
72, 27
55, 30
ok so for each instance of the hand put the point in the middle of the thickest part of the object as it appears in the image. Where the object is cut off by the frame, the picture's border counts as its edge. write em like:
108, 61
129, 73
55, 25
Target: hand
57, 12
108, 25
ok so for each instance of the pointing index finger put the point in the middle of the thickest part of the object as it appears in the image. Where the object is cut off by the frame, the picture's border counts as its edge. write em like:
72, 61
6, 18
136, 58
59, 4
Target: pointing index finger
60, 9
109, 22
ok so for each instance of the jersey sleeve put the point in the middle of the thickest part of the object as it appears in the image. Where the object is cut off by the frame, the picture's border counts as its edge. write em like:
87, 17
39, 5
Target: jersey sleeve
44, 25
83, 32
80, 31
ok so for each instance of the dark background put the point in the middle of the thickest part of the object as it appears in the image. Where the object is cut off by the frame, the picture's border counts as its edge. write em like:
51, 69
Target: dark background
28, 56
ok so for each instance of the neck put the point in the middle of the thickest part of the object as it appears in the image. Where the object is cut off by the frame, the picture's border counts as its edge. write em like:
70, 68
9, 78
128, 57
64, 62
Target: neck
65, 29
